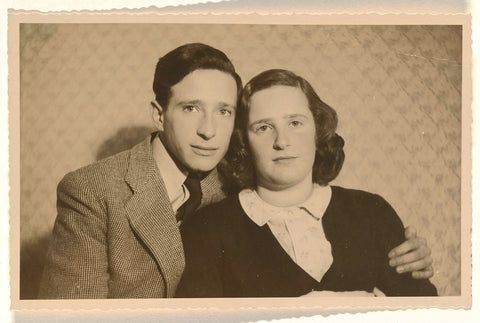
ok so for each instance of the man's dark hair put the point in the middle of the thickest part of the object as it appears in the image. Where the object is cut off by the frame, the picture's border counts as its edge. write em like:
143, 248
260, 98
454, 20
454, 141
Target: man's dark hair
181, 61
237, 166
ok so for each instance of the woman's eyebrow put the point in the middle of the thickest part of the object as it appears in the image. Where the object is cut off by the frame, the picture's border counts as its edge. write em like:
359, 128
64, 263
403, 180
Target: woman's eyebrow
265, 120
286, 117
296, 115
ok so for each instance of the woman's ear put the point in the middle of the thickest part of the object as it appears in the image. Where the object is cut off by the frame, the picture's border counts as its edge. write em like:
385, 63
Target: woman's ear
157, 115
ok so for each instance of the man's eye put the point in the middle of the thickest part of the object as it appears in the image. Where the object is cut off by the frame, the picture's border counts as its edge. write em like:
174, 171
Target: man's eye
190, 108
225, 112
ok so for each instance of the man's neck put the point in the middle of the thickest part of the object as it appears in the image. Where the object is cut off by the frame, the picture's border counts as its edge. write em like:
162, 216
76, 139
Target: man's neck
173, 177
179, 165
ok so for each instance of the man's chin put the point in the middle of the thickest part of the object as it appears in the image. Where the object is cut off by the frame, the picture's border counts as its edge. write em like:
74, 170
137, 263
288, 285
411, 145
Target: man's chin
203, 166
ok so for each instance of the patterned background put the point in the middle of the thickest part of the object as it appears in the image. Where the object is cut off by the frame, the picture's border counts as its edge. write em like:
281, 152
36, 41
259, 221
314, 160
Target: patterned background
86, 88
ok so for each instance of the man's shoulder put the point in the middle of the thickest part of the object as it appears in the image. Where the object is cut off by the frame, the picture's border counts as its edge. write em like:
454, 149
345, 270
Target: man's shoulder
105, 168
103, 172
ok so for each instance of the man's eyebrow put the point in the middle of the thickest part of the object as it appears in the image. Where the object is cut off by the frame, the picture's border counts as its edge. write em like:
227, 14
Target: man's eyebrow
200, 102
197, 102
225, 104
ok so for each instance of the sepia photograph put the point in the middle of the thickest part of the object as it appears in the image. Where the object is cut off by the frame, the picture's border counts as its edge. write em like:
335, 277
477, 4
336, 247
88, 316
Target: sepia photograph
289, 159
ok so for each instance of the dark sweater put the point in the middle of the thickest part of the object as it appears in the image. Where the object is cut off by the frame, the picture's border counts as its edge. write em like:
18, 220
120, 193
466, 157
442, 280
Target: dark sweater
228, 255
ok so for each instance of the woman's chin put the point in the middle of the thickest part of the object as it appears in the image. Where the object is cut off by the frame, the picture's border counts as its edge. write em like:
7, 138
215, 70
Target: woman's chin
283, 184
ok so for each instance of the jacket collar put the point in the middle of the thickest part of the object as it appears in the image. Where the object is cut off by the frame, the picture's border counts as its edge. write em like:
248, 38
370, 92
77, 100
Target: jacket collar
151, 215
142, 171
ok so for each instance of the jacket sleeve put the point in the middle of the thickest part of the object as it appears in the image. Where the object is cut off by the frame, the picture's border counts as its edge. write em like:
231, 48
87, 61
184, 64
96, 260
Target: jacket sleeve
390, 233
77, 261
203, 275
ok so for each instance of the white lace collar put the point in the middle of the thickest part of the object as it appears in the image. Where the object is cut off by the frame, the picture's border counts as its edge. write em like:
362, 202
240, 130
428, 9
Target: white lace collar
261, 212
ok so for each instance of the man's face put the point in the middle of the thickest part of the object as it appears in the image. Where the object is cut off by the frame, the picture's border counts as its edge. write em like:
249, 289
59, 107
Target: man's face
198, 122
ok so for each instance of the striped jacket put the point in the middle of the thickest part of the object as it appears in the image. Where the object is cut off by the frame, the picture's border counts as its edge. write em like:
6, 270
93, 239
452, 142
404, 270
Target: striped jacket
115, 235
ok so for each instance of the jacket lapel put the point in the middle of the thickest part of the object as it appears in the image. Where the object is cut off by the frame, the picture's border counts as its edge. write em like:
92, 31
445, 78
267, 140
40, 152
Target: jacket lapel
211, 189
151, 215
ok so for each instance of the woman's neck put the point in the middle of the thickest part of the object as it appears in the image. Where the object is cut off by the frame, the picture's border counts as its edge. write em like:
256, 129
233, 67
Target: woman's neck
289, 196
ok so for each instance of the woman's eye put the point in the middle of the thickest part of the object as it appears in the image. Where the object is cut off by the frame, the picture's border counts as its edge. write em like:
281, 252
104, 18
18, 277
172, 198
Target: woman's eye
295, 123
263, 128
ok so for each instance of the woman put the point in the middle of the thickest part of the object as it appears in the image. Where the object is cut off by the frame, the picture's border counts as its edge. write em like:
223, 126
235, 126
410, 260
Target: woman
288, 233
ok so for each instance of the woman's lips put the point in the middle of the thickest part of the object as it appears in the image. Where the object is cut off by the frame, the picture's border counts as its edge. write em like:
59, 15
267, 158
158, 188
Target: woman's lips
284, 159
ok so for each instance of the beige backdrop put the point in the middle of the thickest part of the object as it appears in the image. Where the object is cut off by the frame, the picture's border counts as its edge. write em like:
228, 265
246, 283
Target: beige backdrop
86, 88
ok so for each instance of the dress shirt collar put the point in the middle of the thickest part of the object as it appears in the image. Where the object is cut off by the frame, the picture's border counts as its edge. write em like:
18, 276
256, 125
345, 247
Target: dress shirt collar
261, 212
172, 176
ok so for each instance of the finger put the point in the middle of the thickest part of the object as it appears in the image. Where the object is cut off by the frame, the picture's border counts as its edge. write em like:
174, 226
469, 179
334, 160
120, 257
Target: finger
407, 246
415, 266
415, 255
410, 232
423, 274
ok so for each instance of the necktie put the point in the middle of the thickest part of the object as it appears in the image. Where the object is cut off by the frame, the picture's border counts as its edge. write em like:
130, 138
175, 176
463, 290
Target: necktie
190, 206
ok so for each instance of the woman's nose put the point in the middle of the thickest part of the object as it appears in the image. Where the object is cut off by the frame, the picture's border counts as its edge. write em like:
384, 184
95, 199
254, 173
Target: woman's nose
281, 141
206, 129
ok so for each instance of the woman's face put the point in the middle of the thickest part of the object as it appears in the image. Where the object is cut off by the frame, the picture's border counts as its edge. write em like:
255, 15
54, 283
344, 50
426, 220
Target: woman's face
281, 134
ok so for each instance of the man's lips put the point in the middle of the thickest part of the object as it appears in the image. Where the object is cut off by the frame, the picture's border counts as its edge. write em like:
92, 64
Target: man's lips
204, 150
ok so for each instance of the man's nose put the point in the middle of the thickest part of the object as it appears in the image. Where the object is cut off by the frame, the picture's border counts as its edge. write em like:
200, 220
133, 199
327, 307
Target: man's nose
207, 128
281, 140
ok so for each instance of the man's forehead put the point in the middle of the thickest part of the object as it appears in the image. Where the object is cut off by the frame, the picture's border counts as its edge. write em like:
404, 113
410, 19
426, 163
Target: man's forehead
205, 85
205, 73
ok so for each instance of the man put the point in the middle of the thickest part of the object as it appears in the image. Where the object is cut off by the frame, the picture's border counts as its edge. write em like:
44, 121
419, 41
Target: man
117, 230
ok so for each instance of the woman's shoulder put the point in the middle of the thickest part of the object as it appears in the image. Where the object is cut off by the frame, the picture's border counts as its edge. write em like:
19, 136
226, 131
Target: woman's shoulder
227, 203
365, 212
359, 203
356, 197
217, 220
220, 211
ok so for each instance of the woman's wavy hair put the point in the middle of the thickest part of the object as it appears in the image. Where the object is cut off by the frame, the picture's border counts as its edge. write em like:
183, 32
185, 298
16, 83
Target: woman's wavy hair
237, 167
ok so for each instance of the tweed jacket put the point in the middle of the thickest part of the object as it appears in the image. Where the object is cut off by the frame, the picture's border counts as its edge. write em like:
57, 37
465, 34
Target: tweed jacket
115, 235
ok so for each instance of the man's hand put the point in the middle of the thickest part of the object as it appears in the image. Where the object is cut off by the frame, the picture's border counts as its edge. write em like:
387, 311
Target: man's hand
412, 256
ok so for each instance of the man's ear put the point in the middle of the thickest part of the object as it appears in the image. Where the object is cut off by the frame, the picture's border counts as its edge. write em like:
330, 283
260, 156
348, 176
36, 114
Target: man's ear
157, 114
